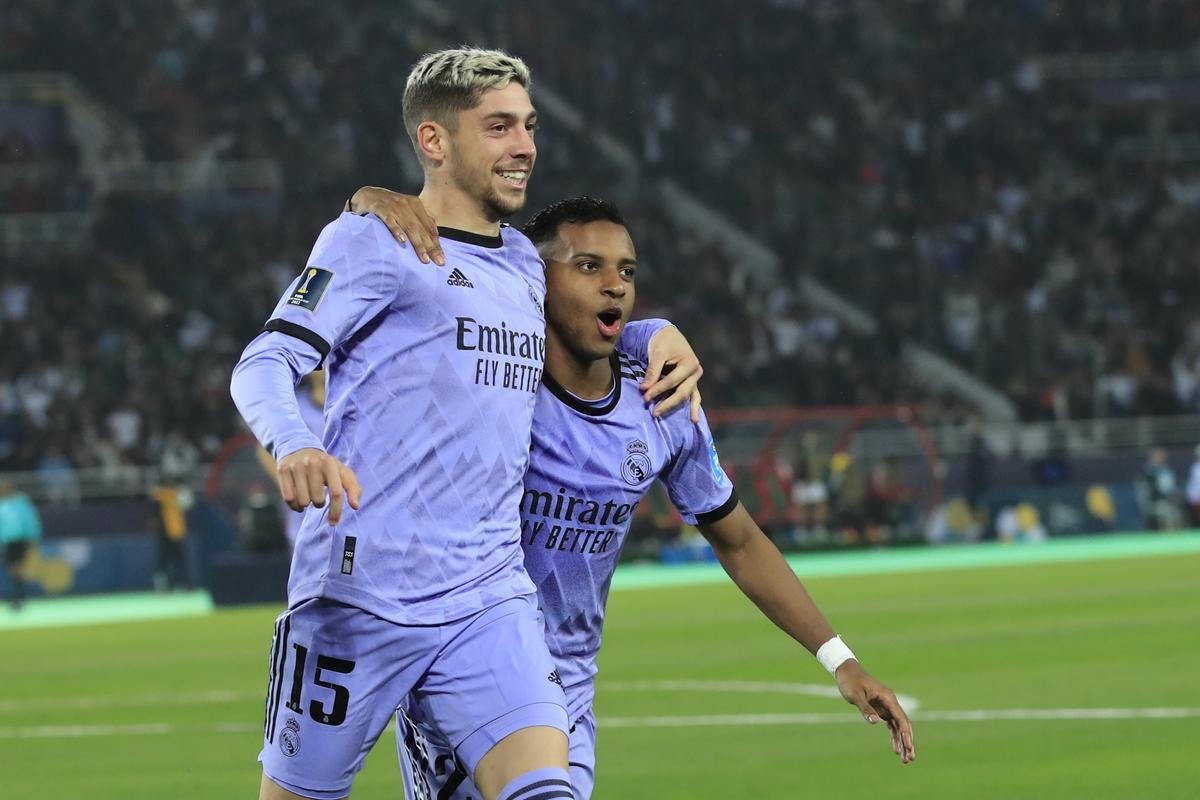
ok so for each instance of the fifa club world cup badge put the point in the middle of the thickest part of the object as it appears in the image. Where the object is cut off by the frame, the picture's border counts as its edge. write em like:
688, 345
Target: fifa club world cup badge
636, 467
289, 739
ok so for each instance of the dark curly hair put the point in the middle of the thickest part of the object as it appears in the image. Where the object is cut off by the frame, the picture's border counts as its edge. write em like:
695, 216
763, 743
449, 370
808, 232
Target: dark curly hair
543, 226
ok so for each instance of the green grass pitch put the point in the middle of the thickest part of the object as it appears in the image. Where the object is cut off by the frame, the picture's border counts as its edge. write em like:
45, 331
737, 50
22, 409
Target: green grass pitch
704, 698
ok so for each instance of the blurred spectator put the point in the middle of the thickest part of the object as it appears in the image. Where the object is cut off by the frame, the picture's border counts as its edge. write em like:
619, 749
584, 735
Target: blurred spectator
1054, 467
260, 526
20, 529
169, 503
1020, 524
810, 494
1193, 491
1158, 492
887, 504
847, 493
979, 470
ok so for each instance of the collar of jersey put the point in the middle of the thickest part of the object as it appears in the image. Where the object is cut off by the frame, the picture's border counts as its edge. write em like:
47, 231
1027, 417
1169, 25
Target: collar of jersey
570, 400
466, 237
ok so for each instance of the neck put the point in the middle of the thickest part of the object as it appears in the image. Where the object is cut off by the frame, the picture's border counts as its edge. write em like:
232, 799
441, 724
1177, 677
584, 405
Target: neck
586, 378
454, 208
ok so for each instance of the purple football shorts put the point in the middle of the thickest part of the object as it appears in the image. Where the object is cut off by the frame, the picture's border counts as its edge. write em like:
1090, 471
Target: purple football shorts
338, 673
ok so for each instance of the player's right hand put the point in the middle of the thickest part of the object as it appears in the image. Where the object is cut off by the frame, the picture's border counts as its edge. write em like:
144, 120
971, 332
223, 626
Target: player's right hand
406, 218
877, 702
305, 475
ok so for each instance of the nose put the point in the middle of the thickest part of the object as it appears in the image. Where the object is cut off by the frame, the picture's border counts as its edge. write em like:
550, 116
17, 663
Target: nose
523, 145
615, 289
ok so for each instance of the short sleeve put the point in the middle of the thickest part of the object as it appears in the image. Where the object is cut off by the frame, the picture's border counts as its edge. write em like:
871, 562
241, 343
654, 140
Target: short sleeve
636, 336
696, 482
353, 274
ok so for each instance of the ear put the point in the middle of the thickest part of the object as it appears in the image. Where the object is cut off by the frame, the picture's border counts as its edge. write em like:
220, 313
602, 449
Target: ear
433, 141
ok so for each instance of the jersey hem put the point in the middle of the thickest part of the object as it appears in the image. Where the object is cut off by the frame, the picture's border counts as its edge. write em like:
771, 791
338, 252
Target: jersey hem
719, 513
372, 605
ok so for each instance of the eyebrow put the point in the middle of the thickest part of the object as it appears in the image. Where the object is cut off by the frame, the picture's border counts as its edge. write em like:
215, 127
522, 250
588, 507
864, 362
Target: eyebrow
509, 116
597, 257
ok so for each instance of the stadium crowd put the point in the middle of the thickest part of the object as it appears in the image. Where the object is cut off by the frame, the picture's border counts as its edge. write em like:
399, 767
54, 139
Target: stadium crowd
929, 161
956, 192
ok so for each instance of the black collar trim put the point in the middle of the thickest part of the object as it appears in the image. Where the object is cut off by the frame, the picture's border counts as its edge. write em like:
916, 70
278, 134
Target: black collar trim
466, 237
582, 407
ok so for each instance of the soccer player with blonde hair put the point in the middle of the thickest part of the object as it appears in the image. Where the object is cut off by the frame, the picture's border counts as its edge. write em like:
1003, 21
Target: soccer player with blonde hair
417, 590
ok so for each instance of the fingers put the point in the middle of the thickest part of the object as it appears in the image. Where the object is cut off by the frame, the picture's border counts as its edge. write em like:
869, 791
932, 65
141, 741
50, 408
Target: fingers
334, 481
430, 225
426, 244
683, 394
314, 477
409, 222
304, 478
696, 407
653, 370
861, 699
353, 487
899, 723
287, 488
686, 369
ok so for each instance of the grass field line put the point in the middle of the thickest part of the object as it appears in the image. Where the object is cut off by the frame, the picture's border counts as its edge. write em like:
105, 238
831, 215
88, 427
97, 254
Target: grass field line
909, 702
226, 696
972, 715
125, 700
688, 721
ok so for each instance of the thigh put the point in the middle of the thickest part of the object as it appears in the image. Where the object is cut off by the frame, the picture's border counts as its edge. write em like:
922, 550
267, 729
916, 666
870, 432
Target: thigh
493, 677
432, 771
336, 673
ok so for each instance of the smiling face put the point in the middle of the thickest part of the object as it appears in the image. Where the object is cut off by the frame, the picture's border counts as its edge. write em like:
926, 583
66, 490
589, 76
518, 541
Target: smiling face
491, 152
590, 273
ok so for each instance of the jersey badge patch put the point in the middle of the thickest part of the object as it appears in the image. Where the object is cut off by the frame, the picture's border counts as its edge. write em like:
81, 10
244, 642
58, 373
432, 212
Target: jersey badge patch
715, 462
536, 302
289, 739
635, 469
311, 289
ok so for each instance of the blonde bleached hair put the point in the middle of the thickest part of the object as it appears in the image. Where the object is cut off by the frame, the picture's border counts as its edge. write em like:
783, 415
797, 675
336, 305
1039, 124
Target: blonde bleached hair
446, 82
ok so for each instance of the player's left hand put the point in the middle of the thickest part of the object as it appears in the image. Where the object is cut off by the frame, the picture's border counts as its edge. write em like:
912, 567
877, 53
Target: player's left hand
674, 370
877, 702
406, 217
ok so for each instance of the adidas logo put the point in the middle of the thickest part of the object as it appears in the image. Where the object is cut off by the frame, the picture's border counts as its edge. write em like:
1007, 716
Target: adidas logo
458, 279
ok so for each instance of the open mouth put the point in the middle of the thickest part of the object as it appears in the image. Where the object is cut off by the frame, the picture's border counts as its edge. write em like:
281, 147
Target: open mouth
609, 322
516, 178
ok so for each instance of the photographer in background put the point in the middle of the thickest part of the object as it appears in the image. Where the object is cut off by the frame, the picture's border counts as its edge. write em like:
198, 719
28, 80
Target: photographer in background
20, 527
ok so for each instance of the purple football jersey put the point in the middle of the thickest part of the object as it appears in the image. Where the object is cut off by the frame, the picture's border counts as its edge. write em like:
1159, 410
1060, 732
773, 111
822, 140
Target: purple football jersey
590, 465
432, 378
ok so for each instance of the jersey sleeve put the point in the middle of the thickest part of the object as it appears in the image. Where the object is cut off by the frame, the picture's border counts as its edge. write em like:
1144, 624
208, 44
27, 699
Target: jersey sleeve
695, 481
353, 274
636, 336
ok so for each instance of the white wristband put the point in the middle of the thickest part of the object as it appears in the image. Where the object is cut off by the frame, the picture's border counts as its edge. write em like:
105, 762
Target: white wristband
833, 654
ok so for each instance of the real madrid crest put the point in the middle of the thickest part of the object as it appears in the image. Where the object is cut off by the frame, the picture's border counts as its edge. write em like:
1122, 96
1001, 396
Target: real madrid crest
289, 738
536, 302
635, 469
